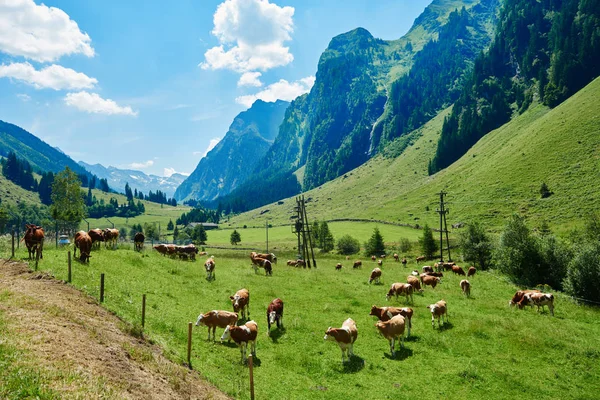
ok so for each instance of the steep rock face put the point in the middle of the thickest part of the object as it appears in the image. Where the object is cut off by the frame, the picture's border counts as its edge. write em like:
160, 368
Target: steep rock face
234, 158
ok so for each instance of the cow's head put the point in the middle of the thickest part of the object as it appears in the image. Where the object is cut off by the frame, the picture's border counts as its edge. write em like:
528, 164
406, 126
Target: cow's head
272, 317
84, 257
328, 334
227, 334
235, 300
199, 320
374, 310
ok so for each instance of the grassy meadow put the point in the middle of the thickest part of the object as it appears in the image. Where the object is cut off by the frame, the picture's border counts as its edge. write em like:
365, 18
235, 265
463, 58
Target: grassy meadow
487, 350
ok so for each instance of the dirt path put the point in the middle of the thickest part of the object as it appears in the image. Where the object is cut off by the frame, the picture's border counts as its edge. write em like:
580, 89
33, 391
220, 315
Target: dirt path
83, 347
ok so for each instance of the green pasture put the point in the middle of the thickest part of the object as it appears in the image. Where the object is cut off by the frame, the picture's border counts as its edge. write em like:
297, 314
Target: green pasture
487, 350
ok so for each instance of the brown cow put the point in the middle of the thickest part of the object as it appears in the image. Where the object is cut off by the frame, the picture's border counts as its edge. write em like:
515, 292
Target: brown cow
190, 250
465, 287
242, 335
357, 264
404, 262
432, 281
344, 336
267, 256
83, 242
421, 258
385, 313
138, 241
539, 300
396, 257
471, 271
209, 266
427, 268
400, 289
380, 263
300, 263
97, 236
375, 275
275, 314
262, 263
241, 301
518, 296
437, 274
458, 270
111, 236
373, 258
34, 240
161, 248
438, 310
291, 263
216, 318
391, 330
338, 267
415, 283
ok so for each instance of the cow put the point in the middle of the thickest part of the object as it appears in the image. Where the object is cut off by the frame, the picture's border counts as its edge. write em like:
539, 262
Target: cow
111, 236
203, 253
404, 262
97, 236
241, 302
415, 283
415, 273
518, 296
190, 250
391, 330
209, 266
34, 240
375, 275
347, 258
83, 242
138, 241
421, 258
400, 289
216, 318
438, 310
357, 264
267, 256
275, 314
262, 263
458, 270
539, 300
386, 313
161, 248
436, 274
432, 281
291, 263
242, 335
338, 267
171, 249
382, 256
300, 263
471, 271
396, 257
444, 266
344, 336
373, 258
427, 268
465, 287
380, 263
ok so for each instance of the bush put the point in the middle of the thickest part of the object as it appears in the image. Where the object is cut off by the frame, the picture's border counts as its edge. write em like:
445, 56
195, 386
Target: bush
583, 273
427, 242
405, 245
476, 245
544, 191
348, 245
375, 245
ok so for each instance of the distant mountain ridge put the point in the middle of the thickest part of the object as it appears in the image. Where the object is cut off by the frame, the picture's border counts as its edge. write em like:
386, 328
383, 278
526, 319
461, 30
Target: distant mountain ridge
231, 162
117, 178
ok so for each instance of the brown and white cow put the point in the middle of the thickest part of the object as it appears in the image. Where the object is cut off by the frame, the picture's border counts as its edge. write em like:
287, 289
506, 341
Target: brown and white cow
216, 318
465, 286
209, 266
34, 240
539, 300
404, 261
357, 264
396, 257
291, 263
427, 268
111, 236
338, 267
444, 266
161, 248
421, 258
518, 296
375, 275
385, 313
471, 271
242, 335
190, 250
380, 263
262, 263
391, 330
267, 256
415, 283
344, 336
400, 289
458, 270
300, 263
138, 241
428, 280
275, 314
438, 274
373, 258
241, 301
438, 310
97, 236
83, 242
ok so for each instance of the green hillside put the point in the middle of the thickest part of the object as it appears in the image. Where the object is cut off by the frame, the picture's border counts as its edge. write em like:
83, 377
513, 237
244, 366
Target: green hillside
500, 175
14, 194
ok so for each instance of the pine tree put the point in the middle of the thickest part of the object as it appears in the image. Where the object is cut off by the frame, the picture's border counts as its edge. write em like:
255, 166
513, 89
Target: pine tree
375, 245
427, 242
235, 237
170, 225
67, 200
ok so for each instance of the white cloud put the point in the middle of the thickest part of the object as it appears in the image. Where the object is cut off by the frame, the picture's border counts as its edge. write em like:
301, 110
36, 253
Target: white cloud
167, 172
211, 145
282, 90
93, 103
24, 97
251, 34
52, 77
250, 79
141, 165
40, 33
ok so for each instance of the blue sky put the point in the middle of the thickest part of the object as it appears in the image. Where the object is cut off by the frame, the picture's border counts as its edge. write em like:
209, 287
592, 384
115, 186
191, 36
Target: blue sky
150, 85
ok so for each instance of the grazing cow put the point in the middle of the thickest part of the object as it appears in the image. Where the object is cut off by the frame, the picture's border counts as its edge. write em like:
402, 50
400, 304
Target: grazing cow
391, 330
262, 263
415, 283
344, 336
241, 301
471, 271
267, 256
444, 266
161, 248
386, 313
396, 257
404, 262
437, 274
466, 287
111, 236
275, 314
539, 300
375, 275
438, 310
216, 318
400, 289
291, 263
242, 335
171, 249
432, 281
427, 268
83, 242
382, 256
518, 296
34, 240
373, 258
300, 263
421, 258
203, 253
190, 250
338, 267
138, 241
458, 270
357, 264
380, 263
415, 273
209, 265
97, 236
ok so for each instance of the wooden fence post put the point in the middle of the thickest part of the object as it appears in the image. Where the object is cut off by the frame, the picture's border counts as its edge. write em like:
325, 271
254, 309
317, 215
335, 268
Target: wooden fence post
101, 288
143, 309
37, 256
251, 365
13, 244
69, 265
189, 346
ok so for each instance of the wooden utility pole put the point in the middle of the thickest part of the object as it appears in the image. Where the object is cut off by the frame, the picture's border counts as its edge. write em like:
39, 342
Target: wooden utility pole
443, 228
302, 229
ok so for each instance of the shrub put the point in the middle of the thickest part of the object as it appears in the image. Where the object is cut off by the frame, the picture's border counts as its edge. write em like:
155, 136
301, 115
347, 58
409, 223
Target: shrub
375, 245
235, 237
544, 191
427, 242
583, 273
476, 245
348, 245
405, 245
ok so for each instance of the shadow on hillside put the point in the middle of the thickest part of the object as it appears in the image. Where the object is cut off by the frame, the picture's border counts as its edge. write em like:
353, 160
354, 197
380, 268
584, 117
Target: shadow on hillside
356, 364
413, 338
229, 344
401, 354
276, 334
446, 326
